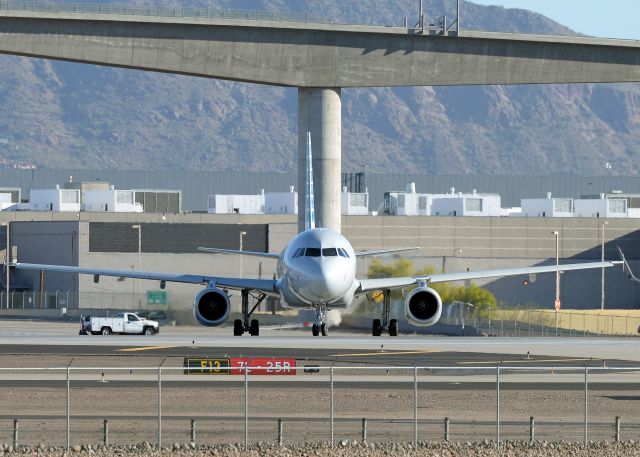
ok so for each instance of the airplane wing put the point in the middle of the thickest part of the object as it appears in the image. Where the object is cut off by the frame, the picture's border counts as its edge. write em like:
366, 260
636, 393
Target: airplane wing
263, 285
233, 251
367, 285
382, 251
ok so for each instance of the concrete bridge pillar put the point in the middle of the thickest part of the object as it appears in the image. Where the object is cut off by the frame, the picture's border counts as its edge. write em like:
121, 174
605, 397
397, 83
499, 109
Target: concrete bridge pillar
319, 112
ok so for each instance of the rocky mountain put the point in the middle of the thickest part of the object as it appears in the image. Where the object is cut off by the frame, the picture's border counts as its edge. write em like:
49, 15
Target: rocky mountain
64, 115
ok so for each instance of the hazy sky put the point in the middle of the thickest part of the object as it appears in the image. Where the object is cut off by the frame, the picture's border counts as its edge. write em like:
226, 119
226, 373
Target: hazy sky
604, 18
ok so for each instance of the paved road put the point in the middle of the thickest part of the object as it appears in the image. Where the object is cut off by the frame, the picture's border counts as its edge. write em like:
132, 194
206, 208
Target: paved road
21, 337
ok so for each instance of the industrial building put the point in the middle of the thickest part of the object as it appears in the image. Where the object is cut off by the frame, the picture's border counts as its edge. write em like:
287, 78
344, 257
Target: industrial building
194, 186
410, 203
353, 203
140, 241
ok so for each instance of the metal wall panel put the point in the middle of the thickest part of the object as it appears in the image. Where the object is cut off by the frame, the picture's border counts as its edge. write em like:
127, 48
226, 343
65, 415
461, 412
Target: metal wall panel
175, 238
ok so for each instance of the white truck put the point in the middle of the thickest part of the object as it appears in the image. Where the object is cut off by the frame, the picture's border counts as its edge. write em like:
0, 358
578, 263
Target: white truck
121, 323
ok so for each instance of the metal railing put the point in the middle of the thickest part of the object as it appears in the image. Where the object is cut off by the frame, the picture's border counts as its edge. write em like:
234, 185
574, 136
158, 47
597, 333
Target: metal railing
161, 11
427, 24
131, 405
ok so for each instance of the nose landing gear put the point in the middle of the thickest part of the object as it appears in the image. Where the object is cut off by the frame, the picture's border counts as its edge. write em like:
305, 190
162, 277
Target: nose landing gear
320, 327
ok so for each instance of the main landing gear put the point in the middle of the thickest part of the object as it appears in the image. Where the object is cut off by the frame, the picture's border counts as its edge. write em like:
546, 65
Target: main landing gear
390, 325
240, 326
320, 327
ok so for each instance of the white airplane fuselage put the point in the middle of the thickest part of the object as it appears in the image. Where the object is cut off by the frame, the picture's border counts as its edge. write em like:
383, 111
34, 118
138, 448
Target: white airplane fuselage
318, 267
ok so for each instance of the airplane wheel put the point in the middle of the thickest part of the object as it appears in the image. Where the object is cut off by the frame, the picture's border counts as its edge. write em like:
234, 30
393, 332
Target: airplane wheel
254, 328
393, 327
238, 328
377, 328
324, 329
315, 329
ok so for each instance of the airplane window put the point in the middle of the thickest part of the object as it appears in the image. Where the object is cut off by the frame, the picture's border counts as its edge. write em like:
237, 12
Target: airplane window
329, 252
344, 253
312, 252
341, 252
299, 253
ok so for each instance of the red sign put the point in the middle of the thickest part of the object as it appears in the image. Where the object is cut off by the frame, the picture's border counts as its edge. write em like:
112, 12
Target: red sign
557, 304
263, 366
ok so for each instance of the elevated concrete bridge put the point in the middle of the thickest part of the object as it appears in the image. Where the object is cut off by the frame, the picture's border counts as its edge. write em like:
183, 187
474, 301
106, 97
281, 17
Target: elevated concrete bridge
318, 59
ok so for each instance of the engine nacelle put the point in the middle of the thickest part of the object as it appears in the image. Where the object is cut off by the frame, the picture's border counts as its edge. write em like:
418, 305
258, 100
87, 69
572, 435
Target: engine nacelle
211, 307
423, 307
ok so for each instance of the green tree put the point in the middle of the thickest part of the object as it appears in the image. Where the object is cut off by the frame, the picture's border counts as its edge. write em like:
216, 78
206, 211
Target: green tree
479, 297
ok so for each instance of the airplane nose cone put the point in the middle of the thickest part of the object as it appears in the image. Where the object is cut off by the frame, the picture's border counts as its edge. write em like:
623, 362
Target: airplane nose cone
325, 282
336, 281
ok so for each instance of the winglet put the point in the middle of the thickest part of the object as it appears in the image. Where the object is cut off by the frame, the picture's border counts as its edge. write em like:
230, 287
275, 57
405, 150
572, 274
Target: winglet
309, 209
625, 266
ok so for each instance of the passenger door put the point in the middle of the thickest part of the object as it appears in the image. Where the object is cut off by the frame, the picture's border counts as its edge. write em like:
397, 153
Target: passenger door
132, 324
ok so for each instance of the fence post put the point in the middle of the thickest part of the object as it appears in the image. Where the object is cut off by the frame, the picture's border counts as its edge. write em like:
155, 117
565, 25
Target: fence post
586, 407
67, 414
364, 429
193, 431
446, 429
331, 406
280, 432
106, 432
498, 406
16, 427
617, 429
246, 408
626, 326
532, 429
159, 408
415, 405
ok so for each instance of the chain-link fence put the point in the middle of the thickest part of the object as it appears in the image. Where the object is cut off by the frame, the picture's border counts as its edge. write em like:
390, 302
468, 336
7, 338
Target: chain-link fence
311, 403
536, 322
458, 318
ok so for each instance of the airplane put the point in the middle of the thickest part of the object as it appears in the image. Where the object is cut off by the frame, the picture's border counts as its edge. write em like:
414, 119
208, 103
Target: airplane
316, 270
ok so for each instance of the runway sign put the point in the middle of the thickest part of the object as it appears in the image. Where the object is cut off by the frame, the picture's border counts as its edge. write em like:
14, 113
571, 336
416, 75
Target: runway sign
263, 366
200, 365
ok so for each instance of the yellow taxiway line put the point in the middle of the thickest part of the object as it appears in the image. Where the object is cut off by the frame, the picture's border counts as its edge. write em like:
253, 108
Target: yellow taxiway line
145, 348
497, 362
367, 354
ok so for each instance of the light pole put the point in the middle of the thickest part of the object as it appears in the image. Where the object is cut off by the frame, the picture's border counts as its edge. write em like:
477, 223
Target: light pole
602, 269
138, 227
7, 259
557, 235
242, 234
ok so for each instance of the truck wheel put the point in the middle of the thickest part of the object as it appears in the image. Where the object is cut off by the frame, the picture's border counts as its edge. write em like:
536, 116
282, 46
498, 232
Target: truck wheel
106, 331
149, 331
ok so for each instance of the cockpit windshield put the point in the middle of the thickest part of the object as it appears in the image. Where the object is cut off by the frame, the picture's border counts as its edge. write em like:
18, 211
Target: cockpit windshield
317, 252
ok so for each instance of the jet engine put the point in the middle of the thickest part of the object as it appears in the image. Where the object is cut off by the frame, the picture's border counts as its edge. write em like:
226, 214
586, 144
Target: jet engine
211, 307
423, 307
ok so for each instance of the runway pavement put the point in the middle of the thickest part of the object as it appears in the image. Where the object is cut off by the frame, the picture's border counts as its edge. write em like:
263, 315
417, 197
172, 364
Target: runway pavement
43, 338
